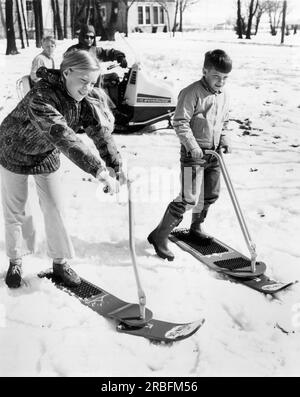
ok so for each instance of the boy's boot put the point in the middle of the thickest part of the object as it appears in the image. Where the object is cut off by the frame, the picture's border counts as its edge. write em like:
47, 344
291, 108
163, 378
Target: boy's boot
14, 274
66, 274
159, 236
196, 231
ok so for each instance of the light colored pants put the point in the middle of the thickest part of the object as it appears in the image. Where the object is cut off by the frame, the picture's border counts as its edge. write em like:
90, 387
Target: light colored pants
20, 234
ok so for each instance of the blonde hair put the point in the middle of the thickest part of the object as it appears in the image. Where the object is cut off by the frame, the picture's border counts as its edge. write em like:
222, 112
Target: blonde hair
98, 99
50, 39
79, 60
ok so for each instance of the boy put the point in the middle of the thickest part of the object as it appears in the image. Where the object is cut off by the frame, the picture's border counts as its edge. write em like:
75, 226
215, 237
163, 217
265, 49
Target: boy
199, 121
45, 58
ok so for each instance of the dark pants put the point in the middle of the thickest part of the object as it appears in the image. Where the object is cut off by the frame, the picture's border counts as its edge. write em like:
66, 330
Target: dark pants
200, 187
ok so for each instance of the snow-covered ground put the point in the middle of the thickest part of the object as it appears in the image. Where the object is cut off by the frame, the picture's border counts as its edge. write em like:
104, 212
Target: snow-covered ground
45, 332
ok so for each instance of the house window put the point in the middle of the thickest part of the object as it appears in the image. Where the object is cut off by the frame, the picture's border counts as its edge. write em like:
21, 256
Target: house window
162, 15
29, 5
140, 15
155, 15
147, 15
30, 15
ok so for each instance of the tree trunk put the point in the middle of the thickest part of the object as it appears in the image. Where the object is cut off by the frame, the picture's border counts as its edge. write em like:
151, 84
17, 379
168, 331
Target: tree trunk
283, 21
88, 11
11, 48
239, 22
111, 29
53, 4
20, 24
126, 18
175, 18
60, 35
24, 21
38, 19
73, 8
65, 19
250, 18
257, 21
180, 15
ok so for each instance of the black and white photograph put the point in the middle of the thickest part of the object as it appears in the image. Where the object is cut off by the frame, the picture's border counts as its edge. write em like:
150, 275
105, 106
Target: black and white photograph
150, 191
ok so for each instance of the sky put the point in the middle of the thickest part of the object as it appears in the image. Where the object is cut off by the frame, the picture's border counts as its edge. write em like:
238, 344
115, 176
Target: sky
207, 12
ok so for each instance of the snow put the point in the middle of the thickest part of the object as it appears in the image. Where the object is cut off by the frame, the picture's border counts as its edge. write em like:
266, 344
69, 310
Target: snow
45, 332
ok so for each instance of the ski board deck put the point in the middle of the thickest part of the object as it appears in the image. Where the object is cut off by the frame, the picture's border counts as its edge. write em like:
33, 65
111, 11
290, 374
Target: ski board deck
226, 260
126, 314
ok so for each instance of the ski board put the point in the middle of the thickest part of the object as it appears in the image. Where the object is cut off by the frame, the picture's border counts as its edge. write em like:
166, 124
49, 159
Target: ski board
126, 314
226, 260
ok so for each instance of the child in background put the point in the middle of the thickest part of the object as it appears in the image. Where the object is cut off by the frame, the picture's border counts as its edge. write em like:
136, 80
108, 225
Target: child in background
45, 58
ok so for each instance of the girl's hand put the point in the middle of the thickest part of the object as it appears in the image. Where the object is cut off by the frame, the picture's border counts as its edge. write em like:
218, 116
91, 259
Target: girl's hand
111, 185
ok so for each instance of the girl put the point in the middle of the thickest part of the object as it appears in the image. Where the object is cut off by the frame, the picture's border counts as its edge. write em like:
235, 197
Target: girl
32, 136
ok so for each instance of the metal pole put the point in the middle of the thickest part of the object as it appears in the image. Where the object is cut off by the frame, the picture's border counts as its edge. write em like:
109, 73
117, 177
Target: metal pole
237, 208
141, 293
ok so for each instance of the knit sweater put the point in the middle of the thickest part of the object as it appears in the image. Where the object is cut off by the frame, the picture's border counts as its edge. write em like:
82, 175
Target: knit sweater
43, 124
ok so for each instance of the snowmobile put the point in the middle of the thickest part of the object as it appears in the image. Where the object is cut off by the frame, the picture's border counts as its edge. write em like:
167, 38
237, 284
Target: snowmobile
137, 100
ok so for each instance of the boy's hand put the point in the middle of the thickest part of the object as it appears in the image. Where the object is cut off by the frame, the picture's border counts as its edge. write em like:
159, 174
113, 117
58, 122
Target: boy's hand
196, 153
225, 144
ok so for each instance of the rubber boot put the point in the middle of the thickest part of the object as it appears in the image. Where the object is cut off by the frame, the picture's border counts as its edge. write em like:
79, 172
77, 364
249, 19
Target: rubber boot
159, 236
196, 231
14, 275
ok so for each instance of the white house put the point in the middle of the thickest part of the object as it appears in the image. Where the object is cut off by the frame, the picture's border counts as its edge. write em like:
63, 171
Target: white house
143, 15
151, 16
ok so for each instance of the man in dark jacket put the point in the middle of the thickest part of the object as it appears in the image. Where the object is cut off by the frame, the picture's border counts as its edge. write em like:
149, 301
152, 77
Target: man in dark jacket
110, 81
87, 41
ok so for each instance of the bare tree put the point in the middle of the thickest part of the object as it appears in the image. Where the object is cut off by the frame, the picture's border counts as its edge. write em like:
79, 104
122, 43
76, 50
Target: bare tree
128, 4
11, 48
24, 23
114, 14
180, 8
239, 21
57, 26
253, 5
88, 12
38, 19
66, 19
261, 9
274, 10
175, 18
284, 7
20, 24
164, 4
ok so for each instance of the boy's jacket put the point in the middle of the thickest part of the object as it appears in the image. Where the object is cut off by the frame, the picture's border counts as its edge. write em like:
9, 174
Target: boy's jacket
199, 118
